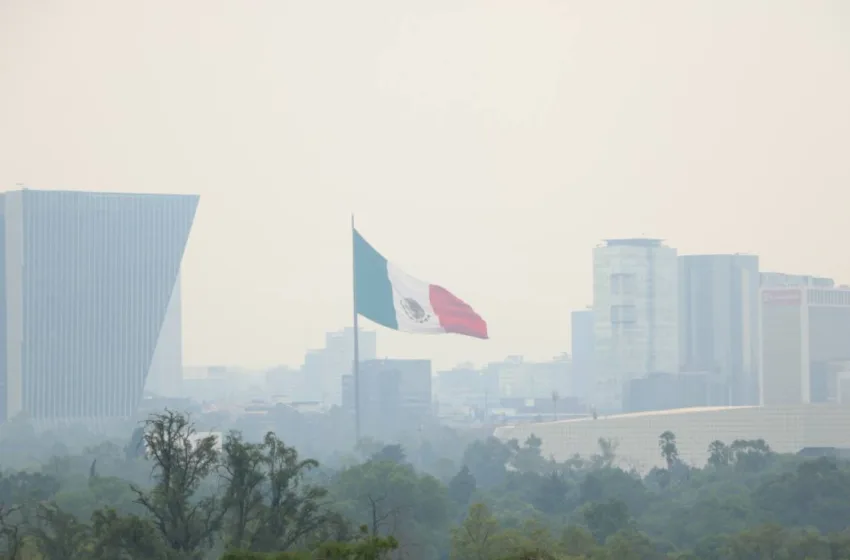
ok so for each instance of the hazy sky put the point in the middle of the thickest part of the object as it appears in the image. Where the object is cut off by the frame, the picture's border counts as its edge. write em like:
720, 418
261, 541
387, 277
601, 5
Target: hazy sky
486, 146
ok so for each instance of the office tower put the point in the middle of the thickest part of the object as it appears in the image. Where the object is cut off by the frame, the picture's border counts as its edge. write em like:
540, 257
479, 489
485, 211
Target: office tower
460, 386
395, 397
165, 375
635, 315
805, 344
669, 391
719, 321
86, 284
325, 367
516, 377
582, 349
782, 280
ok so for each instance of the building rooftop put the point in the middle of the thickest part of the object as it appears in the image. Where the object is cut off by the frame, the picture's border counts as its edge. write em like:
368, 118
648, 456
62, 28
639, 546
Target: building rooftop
634, 242
98, 194
671, 412
718, 255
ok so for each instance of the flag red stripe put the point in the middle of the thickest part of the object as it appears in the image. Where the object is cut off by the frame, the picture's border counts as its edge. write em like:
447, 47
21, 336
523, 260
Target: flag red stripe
455, 315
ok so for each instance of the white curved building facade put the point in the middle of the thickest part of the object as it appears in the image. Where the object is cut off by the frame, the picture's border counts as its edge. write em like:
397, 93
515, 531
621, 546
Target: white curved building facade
787, 429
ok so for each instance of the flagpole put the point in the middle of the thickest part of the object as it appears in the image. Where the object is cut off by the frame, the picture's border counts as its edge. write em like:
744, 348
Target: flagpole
356, 365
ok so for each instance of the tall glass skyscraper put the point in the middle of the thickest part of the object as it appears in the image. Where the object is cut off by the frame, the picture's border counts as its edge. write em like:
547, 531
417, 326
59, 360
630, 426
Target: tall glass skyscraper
85, 283
719, 321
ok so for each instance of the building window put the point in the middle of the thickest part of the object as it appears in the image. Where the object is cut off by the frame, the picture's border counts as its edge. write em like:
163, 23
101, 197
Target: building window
623, 284
616, 284
623, 314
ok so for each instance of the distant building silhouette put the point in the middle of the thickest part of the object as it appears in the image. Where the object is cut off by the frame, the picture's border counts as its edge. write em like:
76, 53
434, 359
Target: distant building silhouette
461, 386
635, 314
668, 391
86, 282
782, 280
805, 345
516, 377
719, 321
323, 368
582, 354
395, 397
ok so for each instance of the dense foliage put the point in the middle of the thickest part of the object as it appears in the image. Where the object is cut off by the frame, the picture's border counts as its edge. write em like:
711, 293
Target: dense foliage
170, 493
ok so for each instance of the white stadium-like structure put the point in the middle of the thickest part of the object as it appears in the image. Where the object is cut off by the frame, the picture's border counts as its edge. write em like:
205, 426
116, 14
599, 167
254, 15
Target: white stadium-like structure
786, 429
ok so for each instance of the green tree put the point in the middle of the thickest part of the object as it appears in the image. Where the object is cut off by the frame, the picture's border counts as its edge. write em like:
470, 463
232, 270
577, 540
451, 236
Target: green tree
606, 518
367, 547
244, 474
129, 537
27, 488
487, 460
11, 532
669, 450
182, 461
552, 494
290, 509
135, 448
751, 455
529, 457
368, 447
607, 454
719, 454
577, 541
393, 499
60, 536
462, 486
816, 494
767, 542
477, 538
811, 545
392, 453
606, 484
532, 540
629, 544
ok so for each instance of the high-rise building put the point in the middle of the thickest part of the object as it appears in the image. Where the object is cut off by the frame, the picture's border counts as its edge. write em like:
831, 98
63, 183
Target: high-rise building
515, 377
719, 321
285, 384
668, 391
87, 279
395, 397
324, 368
635, 315
460, 386
782, 280
805, 344
582, 349
165, 375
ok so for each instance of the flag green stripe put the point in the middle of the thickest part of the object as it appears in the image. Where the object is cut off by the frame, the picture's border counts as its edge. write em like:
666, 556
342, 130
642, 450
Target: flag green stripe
372, 287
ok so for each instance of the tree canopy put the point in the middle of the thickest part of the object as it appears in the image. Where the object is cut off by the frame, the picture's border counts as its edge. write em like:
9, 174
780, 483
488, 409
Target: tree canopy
169, 492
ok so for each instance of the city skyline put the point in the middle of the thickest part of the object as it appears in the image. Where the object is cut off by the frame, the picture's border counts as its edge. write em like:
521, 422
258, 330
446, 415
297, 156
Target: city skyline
489, 165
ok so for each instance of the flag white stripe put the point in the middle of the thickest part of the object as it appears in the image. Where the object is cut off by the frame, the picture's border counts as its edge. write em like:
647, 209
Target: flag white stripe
412, 301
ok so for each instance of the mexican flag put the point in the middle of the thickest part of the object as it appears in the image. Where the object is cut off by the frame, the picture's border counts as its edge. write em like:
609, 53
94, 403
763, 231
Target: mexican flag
388, 296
